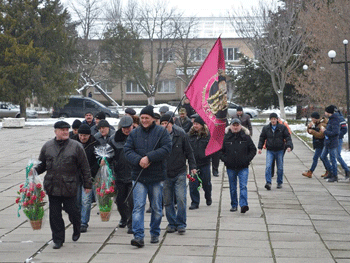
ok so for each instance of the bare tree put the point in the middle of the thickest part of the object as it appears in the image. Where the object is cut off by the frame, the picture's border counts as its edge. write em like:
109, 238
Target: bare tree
276, 40
154, 23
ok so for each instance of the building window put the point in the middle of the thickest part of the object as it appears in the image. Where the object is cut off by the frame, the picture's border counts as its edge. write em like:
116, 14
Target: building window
165, 54
166, 86
133, 87
198, 54
105, 85
231, 54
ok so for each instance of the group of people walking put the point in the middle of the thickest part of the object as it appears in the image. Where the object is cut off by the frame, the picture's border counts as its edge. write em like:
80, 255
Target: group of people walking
153, 155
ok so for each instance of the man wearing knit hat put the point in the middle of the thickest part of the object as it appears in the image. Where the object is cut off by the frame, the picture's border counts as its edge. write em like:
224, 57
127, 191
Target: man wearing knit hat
147, 148
105, 132
331, 141
244, 118
277, 139
175, 183
314, 128
84, 199
199, 138
75, 126
61, 181
99, 116
89, 119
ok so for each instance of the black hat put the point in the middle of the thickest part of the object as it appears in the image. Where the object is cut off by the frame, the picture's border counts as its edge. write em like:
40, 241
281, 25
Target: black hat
239, 108
89, 112
199, 120
164, 109
84, 129
157, 116
101, 115
148, 110
273, 115
61, 125
315, 115
126, 121
236, 120
330, 109
130, 111
76, 124
167, 117
102, 123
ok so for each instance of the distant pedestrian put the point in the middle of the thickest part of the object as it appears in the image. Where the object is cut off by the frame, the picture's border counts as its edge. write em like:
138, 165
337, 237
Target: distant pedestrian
199, 138
238, 151
190, 111
183, 121
175, 183
244, 118
163, 110
331, 142
105, 132
277, 139
64, 161
75, 126
89, 119
147, 148
90, 94
314, 128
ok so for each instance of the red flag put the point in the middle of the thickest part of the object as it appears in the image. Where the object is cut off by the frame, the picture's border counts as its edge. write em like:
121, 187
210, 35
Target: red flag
208, 96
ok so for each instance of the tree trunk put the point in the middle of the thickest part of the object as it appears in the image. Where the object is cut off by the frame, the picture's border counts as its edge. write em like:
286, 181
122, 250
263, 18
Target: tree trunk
151, 100
22, 109
281, 103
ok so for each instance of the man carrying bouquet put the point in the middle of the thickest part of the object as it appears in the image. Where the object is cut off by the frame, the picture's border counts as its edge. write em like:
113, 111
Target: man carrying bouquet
64, 160
147, 148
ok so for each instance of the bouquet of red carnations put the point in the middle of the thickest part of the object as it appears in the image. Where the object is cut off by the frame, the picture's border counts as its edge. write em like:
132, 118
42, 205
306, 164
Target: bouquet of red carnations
104, 183
192, 178
31, 197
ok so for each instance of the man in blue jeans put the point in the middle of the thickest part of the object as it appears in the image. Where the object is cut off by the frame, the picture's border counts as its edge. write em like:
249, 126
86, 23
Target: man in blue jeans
277, 138
238, 151
175, 183
147, 148
331, 142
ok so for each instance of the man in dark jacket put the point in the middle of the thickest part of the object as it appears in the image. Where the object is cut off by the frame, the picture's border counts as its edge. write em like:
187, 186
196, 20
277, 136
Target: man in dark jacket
238, 151
105, 132
199, 137
99, 116
175, 183
85, 199
277, 139
64, 160
244, 118
147, 148
331, 142
75, 126
343, 131
122, 172
89, 119
183, 121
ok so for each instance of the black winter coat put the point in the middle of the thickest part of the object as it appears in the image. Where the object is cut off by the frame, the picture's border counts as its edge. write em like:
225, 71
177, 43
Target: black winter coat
181, 150
332, 132
64, 162
238, 150
142, 142
121, 167
275, 141
89, 148
199, 141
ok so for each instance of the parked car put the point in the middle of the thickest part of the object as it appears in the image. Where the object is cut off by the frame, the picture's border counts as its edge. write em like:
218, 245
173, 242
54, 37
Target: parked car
232, 109
77, 106
8, 110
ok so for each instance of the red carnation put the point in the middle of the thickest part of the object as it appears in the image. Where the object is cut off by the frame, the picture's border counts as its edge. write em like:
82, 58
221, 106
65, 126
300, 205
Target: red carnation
17, 200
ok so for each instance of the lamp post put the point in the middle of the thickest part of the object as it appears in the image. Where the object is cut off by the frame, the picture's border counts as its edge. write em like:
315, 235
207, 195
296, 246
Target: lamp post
331, 55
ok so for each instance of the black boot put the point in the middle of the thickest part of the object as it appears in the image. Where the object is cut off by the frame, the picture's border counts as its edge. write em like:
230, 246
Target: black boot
333, 179
330, 175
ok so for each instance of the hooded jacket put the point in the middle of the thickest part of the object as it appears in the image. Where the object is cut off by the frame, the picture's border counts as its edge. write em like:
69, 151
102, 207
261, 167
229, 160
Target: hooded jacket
238, 150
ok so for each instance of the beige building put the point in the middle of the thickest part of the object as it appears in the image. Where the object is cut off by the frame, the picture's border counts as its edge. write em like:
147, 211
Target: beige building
172, 82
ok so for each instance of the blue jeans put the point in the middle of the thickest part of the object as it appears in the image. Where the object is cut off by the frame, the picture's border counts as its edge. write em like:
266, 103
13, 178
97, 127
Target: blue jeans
317, 154
175, 187
155, 191
339, 158
204, 174
333, 156
270, 156
243, 181
84, 201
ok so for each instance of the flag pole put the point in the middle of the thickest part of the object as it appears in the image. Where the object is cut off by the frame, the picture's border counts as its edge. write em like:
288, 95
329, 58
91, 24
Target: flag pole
138, 176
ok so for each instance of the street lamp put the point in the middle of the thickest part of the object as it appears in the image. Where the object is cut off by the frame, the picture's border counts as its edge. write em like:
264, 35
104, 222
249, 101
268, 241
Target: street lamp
331, 55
